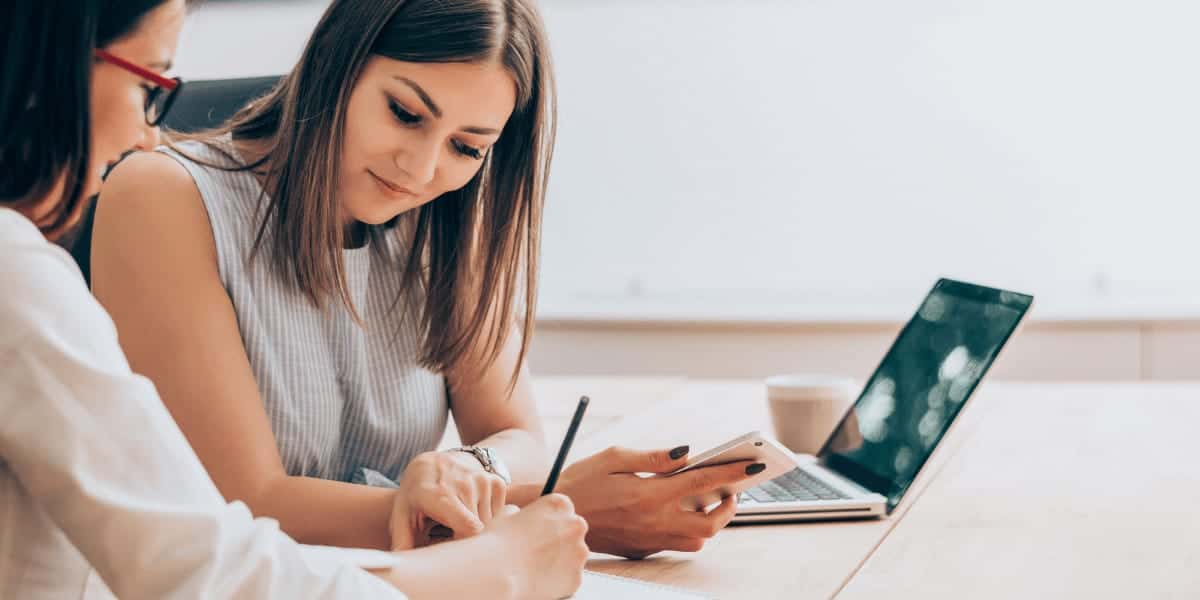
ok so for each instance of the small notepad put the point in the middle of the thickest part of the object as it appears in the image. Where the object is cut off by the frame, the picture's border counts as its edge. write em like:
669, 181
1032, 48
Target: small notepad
601, 586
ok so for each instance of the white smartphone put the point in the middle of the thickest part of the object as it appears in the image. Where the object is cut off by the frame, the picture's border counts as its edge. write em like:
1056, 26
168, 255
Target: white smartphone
753, 446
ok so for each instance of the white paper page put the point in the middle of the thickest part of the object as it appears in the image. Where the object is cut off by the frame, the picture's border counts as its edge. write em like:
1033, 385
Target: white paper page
599, 586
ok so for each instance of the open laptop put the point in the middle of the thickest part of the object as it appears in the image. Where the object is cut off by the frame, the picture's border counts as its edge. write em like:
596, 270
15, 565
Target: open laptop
907, 406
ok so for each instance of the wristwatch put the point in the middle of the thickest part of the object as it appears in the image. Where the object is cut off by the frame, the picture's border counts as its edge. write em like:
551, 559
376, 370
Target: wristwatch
489, 459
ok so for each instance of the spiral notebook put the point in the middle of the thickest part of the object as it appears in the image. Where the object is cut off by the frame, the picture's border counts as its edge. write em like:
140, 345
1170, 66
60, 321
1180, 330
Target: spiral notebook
601, 586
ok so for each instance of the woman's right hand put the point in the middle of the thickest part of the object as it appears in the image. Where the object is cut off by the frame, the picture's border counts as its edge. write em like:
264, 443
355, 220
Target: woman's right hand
545, 540
536, 553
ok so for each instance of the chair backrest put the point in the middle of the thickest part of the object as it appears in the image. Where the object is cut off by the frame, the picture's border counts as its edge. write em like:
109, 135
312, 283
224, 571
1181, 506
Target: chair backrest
200, 105
205, 104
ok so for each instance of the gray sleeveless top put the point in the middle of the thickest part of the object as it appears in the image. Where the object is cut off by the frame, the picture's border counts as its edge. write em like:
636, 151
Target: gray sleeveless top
342, 398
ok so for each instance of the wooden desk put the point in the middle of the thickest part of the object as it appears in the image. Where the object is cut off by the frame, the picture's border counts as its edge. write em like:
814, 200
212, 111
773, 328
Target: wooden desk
1045, 491
1069, 491
796, 561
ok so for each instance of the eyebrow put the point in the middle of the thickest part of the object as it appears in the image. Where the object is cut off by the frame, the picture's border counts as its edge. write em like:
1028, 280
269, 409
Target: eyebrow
480, 130
437, 112
162, 65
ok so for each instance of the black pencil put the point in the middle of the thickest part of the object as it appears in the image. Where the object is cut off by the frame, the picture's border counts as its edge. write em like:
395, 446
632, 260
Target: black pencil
566, 446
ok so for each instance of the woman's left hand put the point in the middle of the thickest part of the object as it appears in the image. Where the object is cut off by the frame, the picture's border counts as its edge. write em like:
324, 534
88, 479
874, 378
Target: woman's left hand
444, 493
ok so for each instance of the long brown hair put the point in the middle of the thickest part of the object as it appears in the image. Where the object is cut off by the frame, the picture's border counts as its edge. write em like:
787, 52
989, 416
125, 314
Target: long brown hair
474, 251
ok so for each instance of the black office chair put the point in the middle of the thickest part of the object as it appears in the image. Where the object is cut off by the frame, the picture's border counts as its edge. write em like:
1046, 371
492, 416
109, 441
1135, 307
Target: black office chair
200, 105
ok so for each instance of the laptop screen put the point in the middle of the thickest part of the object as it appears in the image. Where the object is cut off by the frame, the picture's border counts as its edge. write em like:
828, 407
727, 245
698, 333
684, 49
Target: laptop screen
911, 400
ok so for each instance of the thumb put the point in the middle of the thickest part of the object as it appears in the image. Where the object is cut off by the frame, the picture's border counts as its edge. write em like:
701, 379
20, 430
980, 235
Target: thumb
625, 460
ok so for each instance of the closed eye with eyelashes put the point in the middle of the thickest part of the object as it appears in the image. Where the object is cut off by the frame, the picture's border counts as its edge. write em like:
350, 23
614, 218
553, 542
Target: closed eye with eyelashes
410, 119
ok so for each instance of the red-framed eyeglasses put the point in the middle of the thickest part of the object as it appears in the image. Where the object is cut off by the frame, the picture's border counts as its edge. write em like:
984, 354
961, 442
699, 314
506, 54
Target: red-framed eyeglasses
159, 98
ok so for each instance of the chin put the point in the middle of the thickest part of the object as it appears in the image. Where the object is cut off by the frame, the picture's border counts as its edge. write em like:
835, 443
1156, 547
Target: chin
381, 213
375, 218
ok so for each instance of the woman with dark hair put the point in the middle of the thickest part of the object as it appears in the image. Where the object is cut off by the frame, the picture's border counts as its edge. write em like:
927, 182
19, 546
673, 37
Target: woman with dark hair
316, 286
98, 486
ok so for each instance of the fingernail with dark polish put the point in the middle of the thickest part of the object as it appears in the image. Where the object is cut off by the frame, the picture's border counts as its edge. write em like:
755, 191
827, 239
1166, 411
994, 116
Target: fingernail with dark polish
755, 468
678, 453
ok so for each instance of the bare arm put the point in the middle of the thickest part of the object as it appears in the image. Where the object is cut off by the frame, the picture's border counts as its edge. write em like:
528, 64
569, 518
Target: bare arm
154, 266
487, 416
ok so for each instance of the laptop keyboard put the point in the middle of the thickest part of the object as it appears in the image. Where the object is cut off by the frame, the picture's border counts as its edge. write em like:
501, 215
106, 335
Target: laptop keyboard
793, 486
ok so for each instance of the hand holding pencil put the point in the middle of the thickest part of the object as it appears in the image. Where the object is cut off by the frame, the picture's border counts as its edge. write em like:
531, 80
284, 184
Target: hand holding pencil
546, 539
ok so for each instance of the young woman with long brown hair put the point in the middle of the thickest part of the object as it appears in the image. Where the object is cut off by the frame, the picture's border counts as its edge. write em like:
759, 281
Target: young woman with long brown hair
316, 286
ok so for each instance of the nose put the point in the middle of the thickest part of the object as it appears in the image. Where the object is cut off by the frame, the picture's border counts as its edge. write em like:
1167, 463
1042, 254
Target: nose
149, 139
419, 162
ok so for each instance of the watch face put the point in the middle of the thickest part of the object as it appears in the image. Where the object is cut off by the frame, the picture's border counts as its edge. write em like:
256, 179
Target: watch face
497, 465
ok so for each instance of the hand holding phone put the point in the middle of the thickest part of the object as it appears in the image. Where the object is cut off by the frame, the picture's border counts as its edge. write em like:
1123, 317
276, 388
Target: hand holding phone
753, 447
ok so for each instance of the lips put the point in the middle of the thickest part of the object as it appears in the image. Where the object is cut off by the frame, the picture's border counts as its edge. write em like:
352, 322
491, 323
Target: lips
391, 188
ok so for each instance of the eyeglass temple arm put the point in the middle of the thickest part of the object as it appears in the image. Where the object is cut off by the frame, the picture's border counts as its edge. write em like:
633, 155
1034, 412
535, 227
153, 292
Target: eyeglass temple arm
144, 73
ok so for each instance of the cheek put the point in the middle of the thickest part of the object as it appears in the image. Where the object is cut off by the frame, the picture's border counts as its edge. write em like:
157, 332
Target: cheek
118, 120
365, 134
458, 173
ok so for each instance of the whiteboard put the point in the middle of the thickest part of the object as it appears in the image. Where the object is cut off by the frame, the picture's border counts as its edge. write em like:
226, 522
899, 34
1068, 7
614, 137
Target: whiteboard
808, 150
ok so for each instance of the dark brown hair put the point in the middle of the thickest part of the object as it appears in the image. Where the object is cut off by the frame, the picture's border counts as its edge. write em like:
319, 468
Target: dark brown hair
473, 252
45, 86
45, 99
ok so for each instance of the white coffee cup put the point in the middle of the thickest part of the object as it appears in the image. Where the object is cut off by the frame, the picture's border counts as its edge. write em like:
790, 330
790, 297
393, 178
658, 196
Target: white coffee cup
805, 408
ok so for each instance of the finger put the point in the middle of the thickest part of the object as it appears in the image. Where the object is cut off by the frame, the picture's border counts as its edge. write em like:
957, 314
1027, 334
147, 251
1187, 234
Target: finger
484, 510
553, 503
682, 543
726, 510
499, 496
450, 511
705, 479
492, 493
626, 460
483, 502
470, 490
704, 525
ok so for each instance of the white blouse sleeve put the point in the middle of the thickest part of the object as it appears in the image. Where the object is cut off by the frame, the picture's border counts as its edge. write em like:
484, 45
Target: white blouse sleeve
94, 446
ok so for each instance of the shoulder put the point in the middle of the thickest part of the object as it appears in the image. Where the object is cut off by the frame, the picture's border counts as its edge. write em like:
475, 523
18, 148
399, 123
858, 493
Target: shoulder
151, 234
148, 175
150, 197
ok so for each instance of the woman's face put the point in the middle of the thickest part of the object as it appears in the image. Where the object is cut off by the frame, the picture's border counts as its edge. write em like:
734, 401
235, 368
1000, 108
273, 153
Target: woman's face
119, 97
415, 131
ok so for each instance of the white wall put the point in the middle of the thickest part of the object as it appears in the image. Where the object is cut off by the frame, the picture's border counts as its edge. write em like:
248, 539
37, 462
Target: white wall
808, 148
798, 152
239, 38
